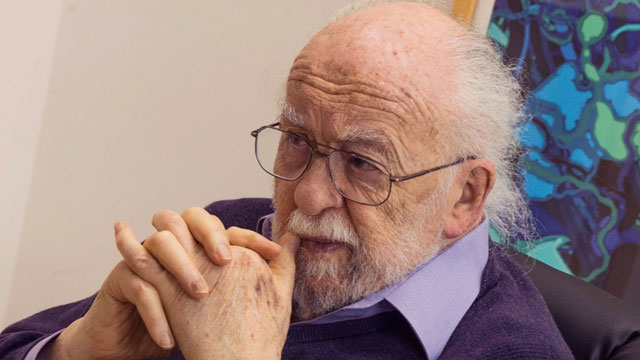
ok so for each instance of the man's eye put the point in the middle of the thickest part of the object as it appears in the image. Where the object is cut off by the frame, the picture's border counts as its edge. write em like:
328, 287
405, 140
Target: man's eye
360, 164
295, 140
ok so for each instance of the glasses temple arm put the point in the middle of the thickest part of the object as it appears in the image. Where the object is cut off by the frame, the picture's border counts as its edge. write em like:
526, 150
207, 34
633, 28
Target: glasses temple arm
425, 172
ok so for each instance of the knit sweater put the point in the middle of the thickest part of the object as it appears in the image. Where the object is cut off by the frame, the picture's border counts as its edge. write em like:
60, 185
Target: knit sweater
508, 320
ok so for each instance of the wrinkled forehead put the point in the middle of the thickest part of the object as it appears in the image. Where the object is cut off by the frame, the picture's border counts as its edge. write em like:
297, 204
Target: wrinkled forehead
364, 78
343, 115
337, 100
368, 124
343, 128
383, 69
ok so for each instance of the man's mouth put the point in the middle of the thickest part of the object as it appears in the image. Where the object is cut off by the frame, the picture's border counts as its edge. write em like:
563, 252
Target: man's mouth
320, 245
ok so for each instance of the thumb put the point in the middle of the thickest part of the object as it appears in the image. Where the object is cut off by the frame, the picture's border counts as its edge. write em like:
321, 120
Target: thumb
283, 266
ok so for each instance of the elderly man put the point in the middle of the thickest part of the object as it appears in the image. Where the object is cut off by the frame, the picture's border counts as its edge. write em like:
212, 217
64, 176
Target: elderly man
397, 125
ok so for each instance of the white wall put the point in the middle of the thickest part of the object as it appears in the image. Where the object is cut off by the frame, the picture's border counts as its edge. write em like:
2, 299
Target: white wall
139, 105
27, 39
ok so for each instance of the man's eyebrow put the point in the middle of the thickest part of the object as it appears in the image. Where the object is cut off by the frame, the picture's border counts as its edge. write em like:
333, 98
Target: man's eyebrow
291, 116
375, 140
364, 136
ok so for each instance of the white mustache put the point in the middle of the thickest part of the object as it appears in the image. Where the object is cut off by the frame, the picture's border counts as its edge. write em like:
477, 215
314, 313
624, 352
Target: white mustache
328, 225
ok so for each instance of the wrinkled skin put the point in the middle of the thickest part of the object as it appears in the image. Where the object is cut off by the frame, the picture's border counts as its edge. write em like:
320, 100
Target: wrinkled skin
248, 309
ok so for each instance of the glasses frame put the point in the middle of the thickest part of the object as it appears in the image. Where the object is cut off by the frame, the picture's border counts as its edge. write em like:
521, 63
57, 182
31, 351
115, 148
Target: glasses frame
392, 178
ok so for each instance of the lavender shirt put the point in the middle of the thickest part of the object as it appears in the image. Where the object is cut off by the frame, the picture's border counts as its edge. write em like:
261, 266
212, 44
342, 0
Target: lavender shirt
433, 299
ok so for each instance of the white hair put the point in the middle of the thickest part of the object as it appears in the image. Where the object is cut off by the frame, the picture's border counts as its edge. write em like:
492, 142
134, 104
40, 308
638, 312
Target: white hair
488, 113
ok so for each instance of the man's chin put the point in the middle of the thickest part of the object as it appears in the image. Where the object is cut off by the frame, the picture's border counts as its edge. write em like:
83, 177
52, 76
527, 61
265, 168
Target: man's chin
323, 285
321, 266
314, 297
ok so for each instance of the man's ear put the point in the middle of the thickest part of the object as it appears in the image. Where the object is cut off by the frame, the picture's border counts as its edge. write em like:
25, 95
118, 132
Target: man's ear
468, 196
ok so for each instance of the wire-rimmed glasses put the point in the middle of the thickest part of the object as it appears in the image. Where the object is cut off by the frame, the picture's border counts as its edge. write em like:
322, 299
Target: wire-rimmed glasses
287, 155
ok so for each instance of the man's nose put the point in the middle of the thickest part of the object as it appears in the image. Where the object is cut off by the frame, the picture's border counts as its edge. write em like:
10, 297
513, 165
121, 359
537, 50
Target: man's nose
315, 191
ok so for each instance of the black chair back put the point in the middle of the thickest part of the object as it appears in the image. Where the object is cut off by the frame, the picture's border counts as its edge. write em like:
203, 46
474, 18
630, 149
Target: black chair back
595, 324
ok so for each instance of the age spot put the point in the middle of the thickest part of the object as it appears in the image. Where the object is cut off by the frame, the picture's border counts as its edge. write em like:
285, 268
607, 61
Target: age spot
276, 301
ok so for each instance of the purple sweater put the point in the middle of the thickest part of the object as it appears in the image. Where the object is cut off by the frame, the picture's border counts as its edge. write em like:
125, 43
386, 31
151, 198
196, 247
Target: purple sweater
508, 320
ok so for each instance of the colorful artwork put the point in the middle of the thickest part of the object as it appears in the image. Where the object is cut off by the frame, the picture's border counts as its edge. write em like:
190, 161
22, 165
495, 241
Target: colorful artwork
580, 61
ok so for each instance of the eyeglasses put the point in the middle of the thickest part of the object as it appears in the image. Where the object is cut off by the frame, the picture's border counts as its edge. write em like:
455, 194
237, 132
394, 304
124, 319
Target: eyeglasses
287, 156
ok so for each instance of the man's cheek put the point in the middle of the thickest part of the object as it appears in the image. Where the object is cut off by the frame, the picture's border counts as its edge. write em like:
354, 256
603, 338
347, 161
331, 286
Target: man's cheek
283, 194
368, 223
283, 202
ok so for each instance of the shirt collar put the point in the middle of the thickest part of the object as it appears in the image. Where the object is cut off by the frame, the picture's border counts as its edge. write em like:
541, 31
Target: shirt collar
433, 299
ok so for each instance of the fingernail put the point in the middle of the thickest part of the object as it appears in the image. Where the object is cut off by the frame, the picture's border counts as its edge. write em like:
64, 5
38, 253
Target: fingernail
165, 340
118, 226
199, 287
224, 251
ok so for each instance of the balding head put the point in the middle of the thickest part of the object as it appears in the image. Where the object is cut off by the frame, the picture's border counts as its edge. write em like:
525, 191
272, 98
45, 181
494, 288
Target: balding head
394, 51
398, 40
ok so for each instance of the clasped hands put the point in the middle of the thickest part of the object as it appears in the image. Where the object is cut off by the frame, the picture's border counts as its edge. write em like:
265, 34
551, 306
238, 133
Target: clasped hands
195, 283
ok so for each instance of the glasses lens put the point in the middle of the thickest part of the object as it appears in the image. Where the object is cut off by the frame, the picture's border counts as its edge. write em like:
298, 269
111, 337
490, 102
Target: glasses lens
281, 153
359, 178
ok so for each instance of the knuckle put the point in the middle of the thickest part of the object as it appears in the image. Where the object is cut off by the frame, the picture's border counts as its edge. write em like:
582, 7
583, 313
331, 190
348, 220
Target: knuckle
173, 221
120, 271
164, 236
255, 237
192, 210
158, 239
159, 216
247, 258
140, 263
141, 289
235, 232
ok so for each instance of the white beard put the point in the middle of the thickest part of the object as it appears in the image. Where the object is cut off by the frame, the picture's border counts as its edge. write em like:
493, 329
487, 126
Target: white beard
324, 284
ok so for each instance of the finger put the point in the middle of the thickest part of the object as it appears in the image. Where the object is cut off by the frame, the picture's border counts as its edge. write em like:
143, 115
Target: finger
166, 249
254, 241
146, 299
136, 256
209, 231
283, 266
172, 221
